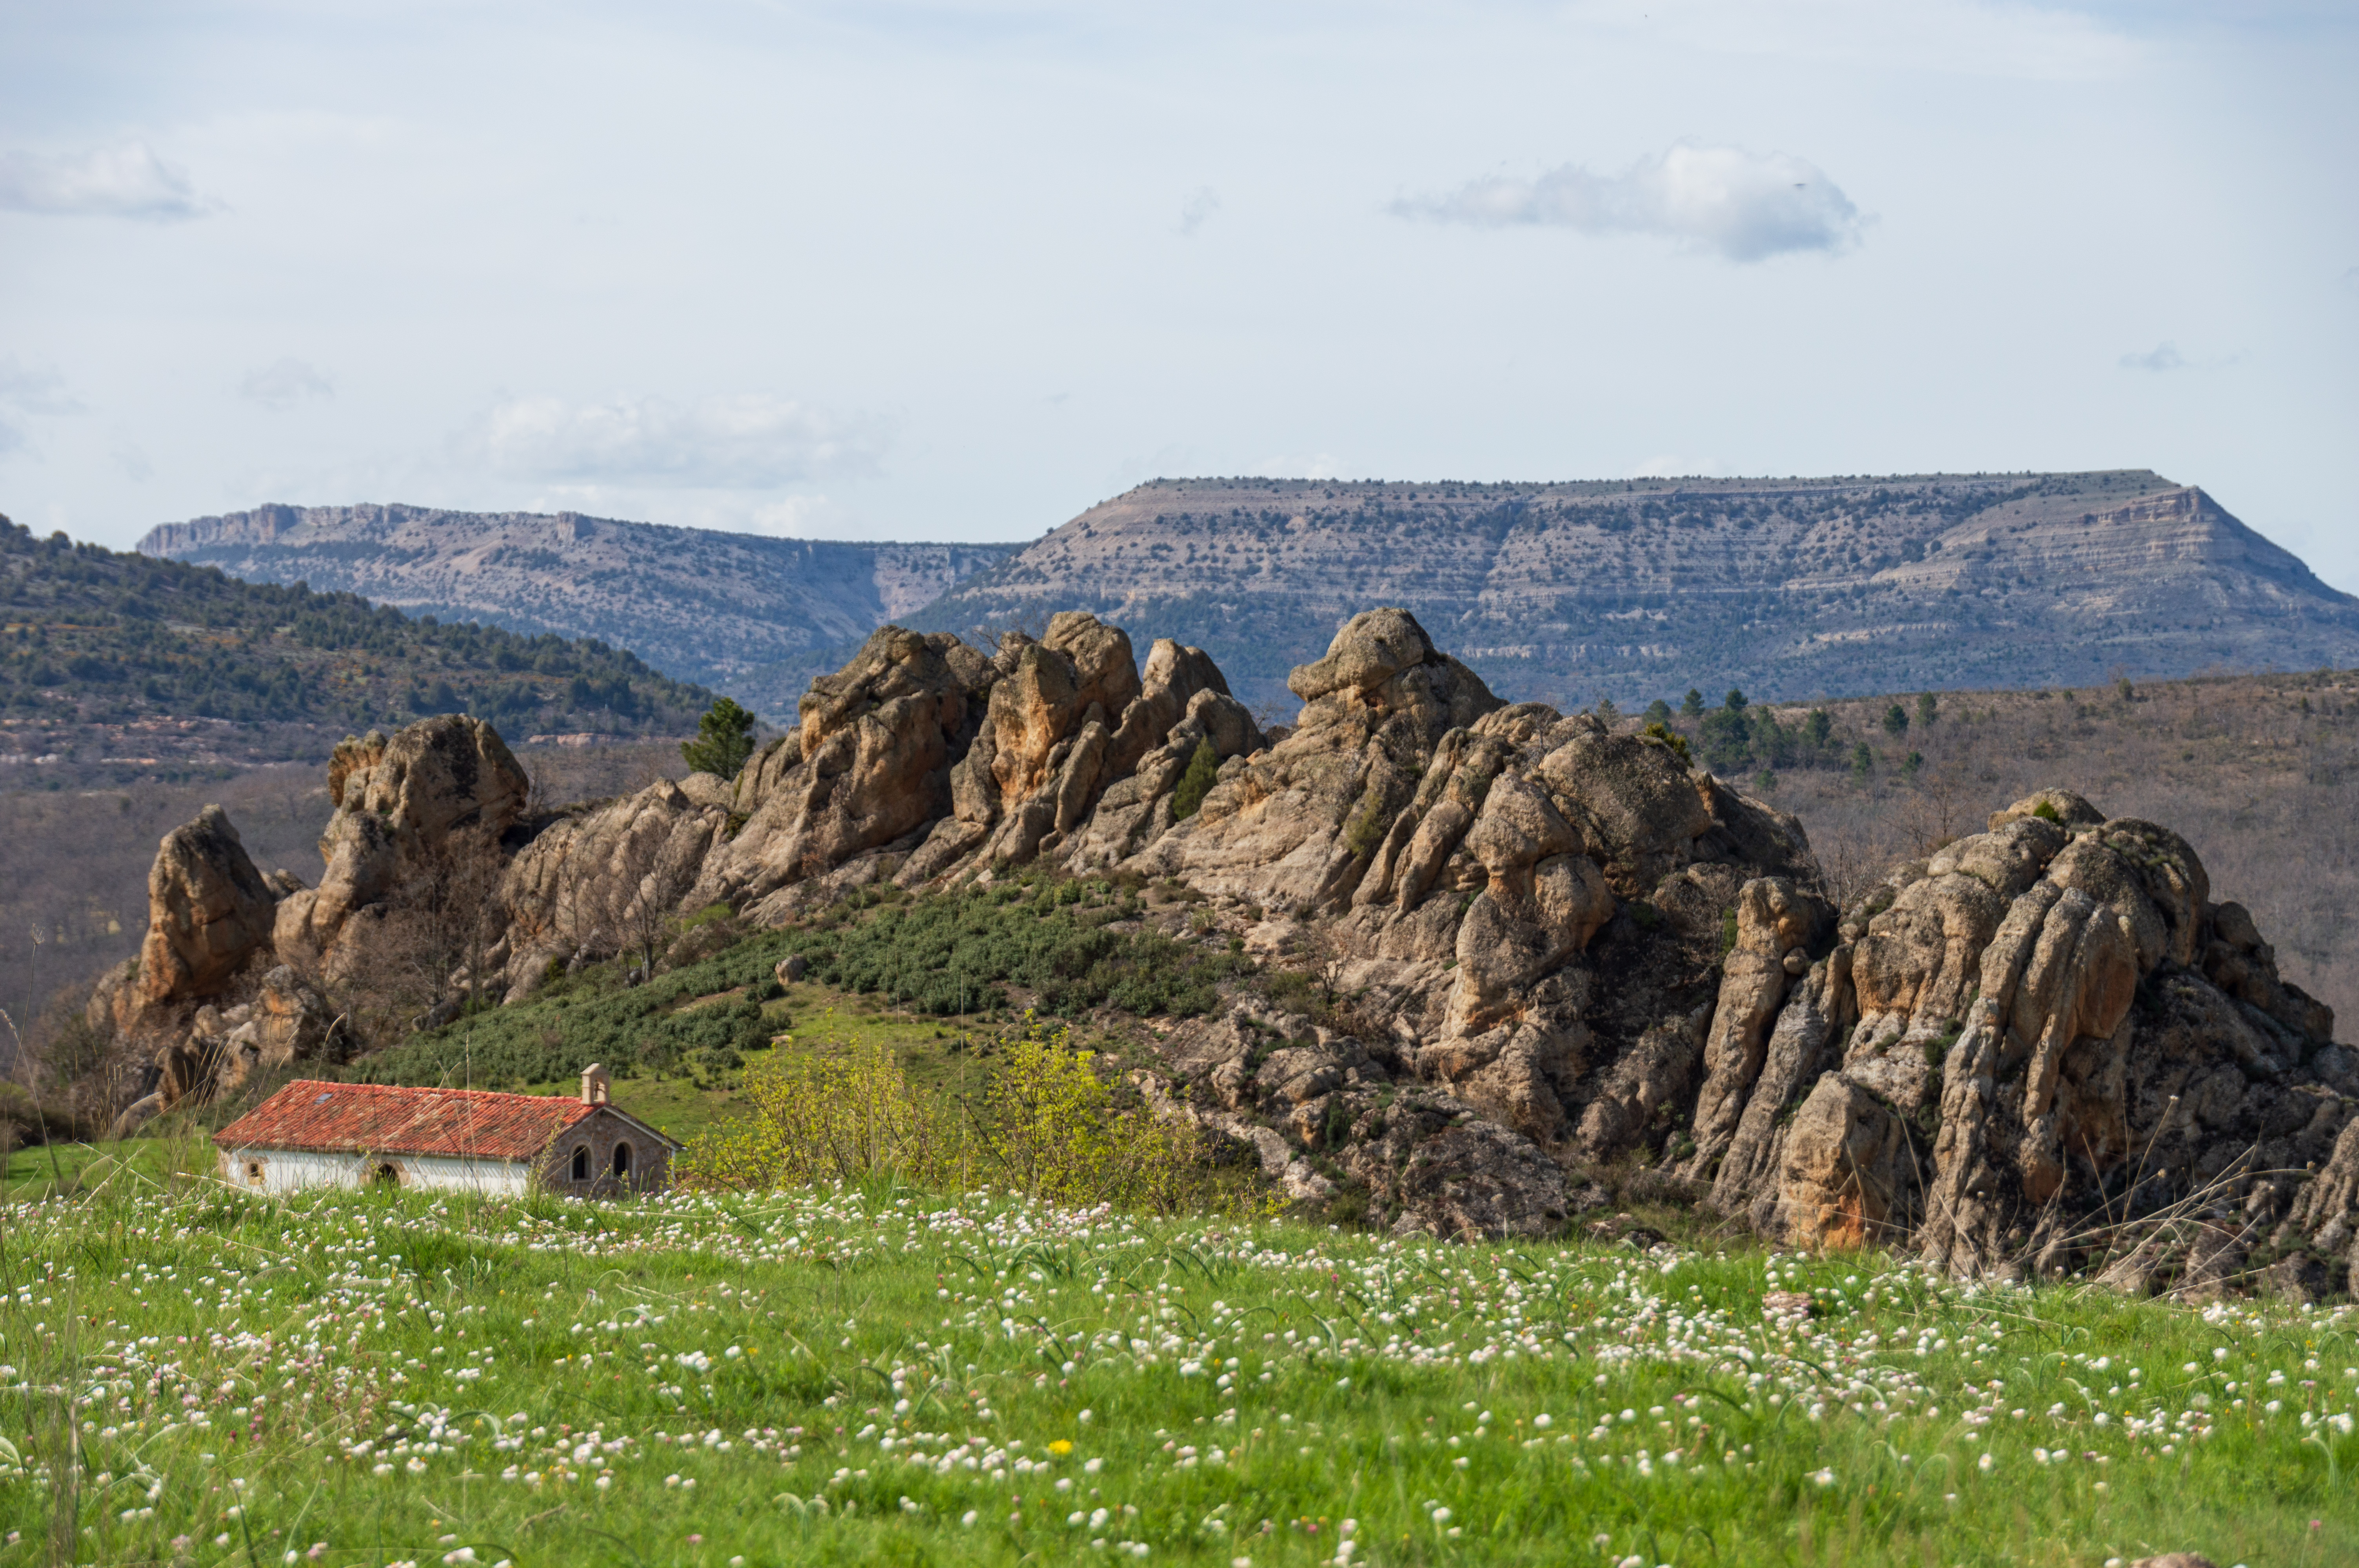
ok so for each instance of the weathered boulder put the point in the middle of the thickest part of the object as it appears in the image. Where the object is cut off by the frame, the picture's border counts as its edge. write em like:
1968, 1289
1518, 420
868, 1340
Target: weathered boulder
1135, 811
288, 1021
763, 770
1845, 1179
219, 1050
710, 790
2060, 807
1802, 1045
1776, 921
2324, 1220
2235, 959
1071, 720
1296, 825
1415, 1159
877, 741
590, 881
442, 785
208, 911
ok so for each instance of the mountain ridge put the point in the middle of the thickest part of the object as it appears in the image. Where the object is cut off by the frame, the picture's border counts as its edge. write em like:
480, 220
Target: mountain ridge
1638, 589
716, 609
1558, 592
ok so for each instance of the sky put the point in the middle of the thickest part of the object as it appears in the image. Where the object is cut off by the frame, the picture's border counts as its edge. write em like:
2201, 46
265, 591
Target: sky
960, 270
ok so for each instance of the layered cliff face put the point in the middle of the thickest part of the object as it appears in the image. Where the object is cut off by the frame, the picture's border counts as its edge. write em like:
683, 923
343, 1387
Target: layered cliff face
1640, 589
1566, 950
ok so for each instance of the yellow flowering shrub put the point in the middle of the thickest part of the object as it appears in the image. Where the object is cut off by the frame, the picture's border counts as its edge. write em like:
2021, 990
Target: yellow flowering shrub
835, 1115
1048, 1126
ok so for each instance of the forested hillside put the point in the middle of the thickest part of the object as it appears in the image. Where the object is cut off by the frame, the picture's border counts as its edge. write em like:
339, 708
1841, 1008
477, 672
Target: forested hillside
112, 658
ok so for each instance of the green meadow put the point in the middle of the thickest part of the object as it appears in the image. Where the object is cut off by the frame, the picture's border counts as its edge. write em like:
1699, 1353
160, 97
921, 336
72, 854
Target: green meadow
192, 1374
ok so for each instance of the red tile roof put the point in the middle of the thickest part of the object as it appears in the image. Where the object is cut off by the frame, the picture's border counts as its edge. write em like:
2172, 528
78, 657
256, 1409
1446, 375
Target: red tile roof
381, 1119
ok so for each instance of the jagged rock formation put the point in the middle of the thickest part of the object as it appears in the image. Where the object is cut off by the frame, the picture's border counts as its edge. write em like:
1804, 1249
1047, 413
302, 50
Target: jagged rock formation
2011, 1060
401, 803
1567, 951
209, 909
592, 876
441, 794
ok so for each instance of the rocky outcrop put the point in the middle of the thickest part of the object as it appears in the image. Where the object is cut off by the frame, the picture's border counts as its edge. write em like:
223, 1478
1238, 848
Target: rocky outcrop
2017, 1059
208, 911
286, 1022
1332, 1124
1554, 949
1074, 726
402, 802
590, 879
876, 743
443, 793
1777, 922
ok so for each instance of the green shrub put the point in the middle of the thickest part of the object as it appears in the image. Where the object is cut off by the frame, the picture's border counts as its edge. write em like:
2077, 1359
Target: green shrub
840, 1114
1204, 772
1366, 828
1664, 735
593, 1017
952, 953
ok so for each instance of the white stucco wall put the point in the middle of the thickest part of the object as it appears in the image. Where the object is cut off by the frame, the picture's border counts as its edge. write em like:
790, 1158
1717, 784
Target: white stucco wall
290, 1170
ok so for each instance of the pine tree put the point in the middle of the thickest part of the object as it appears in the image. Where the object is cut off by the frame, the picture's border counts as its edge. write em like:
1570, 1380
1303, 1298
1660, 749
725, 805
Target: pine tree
724, 738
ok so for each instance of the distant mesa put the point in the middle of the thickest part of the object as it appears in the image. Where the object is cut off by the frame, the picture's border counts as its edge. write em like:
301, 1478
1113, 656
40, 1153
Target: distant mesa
1560, 593
1639, 589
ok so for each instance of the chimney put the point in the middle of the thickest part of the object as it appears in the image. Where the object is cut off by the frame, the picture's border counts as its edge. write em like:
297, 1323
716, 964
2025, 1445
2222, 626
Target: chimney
593, 1085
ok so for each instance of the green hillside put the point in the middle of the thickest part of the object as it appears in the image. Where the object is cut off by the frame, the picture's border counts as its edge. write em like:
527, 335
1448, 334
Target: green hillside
94, 637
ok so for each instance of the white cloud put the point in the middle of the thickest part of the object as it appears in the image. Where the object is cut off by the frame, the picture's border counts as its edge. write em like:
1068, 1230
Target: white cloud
285, 384
28, 391
126, 458
795, 517
1671, 465
1297, 465
1743, 206
742, 440
1172, 460
1201, 203
126, 181
2161, 357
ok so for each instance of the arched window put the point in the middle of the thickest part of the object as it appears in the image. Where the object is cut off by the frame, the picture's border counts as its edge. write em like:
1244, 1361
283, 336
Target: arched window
387, 1175
254, 1173
582, 1163
622, 1159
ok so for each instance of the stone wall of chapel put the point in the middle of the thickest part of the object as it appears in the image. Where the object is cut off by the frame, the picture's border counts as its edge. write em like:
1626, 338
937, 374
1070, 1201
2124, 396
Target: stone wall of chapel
600, 1133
